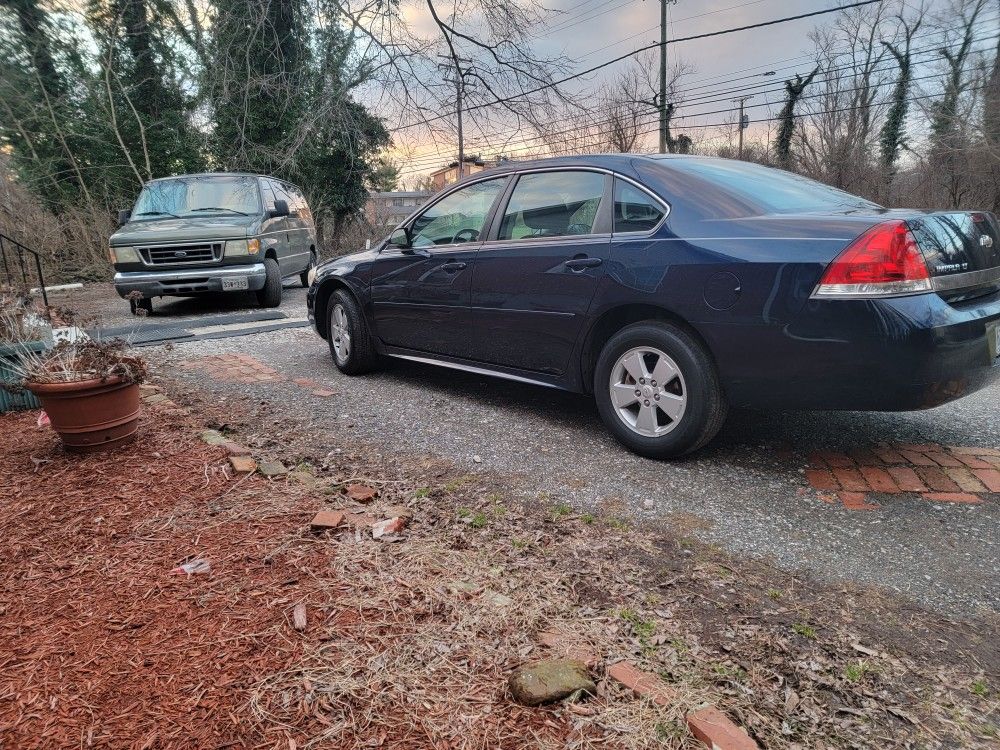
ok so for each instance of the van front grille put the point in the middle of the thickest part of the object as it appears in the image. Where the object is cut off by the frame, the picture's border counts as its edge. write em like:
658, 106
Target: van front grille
178, 255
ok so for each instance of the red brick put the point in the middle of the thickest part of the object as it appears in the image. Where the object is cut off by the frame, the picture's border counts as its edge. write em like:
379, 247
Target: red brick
943, 459
919, 447
324, 392
989, 477
951, 497
235, 449
937, 480
306, 382
889, 456
836, 460
851, 480
879, 479
964, 451
326, 519
863, 457
974, 463
715, 729
856, 501
243, 464
821, 479
918, 459
567, 645
995, 460
646, 684
966, 480
361, 493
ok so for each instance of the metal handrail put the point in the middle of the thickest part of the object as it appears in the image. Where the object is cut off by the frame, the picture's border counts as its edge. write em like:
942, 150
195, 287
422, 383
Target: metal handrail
21, 250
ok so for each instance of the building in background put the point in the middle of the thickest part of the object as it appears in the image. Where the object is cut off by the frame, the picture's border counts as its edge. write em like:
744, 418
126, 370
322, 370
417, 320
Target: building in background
449, 174
384, 211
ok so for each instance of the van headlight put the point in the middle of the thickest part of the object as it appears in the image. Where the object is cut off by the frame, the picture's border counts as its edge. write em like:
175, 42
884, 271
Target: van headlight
242, 247
123, 255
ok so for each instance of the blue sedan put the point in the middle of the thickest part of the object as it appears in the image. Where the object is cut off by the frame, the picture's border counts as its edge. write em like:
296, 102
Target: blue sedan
674, 287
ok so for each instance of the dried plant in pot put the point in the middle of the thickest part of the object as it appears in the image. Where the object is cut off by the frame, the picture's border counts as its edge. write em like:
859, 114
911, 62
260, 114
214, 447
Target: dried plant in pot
90, 391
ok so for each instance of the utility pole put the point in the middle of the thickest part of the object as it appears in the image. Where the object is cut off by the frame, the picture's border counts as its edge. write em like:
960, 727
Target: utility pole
663, 75
459, 81
744, 122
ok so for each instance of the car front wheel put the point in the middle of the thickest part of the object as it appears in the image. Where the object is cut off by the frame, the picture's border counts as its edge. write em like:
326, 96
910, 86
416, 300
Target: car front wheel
658, 391
270, 295
347, 333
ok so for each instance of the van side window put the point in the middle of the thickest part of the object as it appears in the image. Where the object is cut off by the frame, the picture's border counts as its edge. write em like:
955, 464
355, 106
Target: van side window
267, 194
553, 204
635, 210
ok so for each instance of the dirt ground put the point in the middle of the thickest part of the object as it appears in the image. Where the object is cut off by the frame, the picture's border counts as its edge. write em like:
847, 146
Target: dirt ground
409, 643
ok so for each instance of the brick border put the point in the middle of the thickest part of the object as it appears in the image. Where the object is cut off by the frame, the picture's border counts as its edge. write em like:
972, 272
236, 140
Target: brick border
940, 474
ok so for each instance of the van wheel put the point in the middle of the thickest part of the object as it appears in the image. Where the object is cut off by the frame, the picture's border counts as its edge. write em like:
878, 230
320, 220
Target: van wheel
304, 276
270, 295
658, 391
347, 333
141, 307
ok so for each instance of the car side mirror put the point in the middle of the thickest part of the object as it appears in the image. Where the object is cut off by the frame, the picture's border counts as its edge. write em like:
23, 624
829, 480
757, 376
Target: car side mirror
123, 217
280, 209
401, 238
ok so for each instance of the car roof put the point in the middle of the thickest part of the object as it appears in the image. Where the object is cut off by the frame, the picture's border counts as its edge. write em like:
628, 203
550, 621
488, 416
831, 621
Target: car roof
613, 162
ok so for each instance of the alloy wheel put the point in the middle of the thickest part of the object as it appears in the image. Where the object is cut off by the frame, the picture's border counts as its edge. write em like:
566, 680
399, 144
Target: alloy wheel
648, 391
340, 331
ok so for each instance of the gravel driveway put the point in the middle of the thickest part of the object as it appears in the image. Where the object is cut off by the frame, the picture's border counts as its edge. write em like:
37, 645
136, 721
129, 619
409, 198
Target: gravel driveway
746, 492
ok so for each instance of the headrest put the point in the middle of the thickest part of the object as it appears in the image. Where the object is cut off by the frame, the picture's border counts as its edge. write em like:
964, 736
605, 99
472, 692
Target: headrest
554, 218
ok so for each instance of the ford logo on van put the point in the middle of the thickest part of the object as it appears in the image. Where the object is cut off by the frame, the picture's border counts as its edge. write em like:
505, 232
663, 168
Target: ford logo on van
180, 254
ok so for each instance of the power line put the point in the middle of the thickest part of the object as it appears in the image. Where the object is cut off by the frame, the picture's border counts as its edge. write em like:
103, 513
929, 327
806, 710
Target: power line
416, 164
592, 69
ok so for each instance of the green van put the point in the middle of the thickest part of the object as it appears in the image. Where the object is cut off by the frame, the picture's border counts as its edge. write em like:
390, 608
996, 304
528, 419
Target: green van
214, 232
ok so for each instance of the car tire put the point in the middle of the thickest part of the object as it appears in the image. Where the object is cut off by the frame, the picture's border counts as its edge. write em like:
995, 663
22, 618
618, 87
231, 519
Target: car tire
270, 295
142, 306
304, 276
676, 415
350, 341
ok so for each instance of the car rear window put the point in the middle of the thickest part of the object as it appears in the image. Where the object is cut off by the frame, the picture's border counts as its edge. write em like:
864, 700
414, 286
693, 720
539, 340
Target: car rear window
772, 190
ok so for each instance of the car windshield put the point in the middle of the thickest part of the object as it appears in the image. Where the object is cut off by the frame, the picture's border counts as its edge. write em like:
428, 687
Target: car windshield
201, 195
774, 190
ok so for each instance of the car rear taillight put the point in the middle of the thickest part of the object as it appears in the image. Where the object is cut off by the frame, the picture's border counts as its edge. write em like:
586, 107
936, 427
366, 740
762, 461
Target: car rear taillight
884, 261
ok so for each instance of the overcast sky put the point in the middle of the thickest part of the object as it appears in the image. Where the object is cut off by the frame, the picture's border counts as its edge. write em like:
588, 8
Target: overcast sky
589, 32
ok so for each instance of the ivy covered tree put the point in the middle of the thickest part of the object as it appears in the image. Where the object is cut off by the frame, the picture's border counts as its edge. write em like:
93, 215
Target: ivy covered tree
793, 90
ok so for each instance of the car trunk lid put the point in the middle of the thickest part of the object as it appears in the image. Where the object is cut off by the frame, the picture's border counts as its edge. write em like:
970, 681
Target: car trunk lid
961, 250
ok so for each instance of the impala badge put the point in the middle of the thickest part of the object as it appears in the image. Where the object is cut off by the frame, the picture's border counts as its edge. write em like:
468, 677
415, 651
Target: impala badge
985, 240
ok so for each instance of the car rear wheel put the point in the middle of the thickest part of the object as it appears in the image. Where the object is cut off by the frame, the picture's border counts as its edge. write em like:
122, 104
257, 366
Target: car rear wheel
658, 391
270, 295
347, 333
304, 276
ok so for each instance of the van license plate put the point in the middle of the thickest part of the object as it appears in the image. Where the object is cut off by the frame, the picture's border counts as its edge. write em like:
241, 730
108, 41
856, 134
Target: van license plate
235, 284
993, 342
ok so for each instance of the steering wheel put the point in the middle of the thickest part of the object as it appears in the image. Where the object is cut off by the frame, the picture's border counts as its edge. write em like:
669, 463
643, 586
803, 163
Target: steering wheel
473, 235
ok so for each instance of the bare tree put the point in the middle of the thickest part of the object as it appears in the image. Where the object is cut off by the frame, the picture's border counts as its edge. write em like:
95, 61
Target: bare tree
892, 138
793, 90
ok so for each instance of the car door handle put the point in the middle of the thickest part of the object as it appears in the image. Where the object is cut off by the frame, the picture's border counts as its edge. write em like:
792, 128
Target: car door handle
454, 266
580, 263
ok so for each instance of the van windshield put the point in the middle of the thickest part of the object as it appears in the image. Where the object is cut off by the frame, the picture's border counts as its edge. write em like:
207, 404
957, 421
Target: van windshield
198, 196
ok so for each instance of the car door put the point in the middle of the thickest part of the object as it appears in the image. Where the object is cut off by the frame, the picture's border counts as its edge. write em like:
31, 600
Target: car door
273, 231
300, 236
283, 231
533, 283
420, 293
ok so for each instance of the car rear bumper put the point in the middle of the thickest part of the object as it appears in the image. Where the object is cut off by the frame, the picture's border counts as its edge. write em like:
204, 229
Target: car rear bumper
899, 354
185, 281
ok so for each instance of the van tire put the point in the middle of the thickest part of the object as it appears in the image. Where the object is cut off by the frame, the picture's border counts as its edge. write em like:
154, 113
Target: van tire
270, 295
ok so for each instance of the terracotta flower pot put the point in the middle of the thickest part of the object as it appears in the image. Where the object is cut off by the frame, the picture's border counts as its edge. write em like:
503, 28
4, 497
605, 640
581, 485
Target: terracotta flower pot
91, 415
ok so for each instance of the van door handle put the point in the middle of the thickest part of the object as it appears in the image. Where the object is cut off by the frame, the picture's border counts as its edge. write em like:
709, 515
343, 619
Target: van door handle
454, 266
576, 264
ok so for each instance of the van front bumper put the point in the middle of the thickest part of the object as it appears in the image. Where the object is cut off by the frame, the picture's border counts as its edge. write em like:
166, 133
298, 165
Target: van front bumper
185, 281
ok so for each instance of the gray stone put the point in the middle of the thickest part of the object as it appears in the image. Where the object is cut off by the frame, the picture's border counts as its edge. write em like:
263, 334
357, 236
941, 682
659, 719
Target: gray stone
272, 468
550, 680
213, 437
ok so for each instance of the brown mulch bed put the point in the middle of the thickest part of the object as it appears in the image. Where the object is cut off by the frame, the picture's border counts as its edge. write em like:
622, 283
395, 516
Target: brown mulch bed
408, 644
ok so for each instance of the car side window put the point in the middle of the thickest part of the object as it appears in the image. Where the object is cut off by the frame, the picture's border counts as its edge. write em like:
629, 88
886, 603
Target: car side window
553, 204
635, 210
457, 218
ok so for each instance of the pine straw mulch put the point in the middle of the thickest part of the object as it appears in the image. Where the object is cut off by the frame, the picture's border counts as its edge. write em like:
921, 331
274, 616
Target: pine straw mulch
409, 644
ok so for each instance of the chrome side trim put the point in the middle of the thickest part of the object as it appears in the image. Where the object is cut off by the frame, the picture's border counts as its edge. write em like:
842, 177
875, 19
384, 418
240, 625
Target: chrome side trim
474, 370
965, 280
